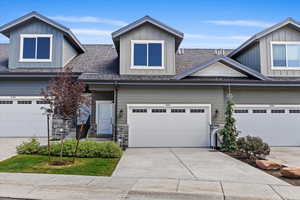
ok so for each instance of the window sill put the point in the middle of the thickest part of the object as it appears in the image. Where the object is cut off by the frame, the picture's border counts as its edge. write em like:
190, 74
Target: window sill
145, 67
35, 60
285, 68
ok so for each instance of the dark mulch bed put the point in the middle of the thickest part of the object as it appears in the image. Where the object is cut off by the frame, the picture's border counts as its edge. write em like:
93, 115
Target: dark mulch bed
275, 173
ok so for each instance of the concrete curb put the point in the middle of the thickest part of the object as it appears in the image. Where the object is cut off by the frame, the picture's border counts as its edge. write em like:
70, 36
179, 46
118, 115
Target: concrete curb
139, 195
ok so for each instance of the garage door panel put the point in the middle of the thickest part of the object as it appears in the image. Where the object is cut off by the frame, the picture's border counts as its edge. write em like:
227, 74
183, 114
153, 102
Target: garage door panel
276, 129
171, 128
22, 119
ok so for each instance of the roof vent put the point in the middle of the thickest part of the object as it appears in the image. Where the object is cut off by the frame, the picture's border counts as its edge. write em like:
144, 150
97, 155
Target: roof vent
219, 52
180, 51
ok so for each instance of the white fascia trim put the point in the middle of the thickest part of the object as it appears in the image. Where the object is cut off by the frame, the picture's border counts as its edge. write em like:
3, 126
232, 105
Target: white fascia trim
168, 105
287, 106
21, 97
162, 42
282, 67
251, 106
70, 60
22, 36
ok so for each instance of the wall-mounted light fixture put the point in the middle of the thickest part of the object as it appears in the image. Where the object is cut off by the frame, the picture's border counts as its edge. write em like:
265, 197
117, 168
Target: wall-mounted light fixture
121, 113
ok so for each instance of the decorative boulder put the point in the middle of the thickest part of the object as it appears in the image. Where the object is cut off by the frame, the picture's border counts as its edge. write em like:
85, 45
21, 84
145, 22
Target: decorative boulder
267, 164
289, 172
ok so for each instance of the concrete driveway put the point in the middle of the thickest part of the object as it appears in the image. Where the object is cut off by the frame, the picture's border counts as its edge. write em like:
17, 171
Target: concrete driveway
8, 146
188, 163
289, 156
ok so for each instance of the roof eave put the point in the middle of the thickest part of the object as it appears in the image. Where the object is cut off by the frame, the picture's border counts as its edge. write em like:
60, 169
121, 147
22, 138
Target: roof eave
226, 60
116, 34
195, 83
263, 33
7, 27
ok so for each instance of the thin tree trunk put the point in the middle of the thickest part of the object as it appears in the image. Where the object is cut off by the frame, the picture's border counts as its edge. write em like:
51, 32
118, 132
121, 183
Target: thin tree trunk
77, 143
49, 154
62, 141
61, 146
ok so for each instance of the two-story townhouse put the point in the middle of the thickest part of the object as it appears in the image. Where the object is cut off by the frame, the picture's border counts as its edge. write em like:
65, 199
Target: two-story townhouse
146, 91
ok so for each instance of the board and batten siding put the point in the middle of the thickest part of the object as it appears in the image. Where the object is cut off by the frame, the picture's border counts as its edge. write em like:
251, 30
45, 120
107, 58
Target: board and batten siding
147, 32
22, 87
35, 27
250, 57
171, 95
69, 52
282, 34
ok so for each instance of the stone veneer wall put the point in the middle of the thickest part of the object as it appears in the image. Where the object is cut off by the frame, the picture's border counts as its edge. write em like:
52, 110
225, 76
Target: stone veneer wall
122, 138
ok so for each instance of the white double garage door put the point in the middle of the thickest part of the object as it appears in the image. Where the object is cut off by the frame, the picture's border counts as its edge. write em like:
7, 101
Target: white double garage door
187, 125
22, 117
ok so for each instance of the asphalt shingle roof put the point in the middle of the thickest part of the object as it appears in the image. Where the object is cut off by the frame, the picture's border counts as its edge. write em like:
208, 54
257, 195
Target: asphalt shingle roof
100, 61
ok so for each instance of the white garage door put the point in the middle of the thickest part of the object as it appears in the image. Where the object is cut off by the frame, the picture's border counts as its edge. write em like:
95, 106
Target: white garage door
168, 125
22, 118
278, 125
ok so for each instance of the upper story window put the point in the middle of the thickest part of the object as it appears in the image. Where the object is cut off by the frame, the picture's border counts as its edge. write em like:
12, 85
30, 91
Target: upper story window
147, 54
286, 55
36, 48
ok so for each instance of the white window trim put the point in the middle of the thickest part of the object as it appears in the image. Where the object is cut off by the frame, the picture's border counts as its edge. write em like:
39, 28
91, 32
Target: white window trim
22, 36
284, 67
143, 42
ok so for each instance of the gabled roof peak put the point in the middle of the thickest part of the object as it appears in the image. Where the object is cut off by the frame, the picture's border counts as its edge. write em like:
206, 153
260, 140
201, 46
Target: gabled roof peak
5, 29
226, 60
147, 19
265, 32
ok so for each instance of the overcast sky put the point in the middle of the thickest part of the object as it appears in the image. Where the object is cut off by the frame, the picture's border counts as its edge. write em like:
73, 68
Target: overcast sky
206, 23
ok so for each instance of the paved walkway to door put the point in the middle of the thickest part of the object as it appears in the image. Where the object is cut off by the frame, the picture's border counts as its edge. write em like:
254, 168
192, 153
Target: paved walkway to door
189, 163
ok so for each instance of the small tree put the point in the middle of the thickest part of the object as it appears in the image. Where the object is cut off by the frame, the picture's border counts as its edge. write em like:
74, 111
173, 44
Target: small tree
229, 133
65, 95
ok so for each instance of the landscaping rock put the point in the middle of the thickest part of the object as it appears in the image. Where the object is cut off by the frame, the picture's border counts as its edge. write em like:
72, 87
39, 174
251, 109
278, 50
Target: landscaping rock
289, 172
267, 164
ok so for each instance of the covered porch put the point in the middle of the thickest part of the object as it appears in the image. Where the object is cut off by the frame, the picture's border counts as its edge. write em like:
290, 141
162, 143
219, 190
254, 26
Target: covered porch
103, 120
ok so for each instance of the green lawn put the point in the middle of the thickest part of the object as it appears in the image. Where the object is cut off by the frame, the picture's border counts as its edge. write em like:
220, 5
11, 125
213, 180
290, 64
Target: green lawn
39, 164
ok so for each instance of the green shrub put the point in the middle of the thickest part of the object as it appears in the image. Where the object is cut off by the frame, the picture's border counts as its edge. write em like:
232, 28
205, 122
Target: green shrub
253, 147
30, 147
229, 133
86, 149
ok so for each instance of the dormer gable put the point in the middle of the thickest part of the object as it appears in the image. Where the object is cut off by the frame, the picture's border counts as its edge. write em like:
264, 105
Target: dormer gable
147, 47
274, 51
36, 41
147, 20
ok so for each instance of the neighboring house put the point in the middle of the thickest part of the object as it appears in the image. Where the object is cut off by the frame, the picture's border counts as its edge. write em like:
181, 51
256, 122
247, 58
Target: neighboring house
146, 91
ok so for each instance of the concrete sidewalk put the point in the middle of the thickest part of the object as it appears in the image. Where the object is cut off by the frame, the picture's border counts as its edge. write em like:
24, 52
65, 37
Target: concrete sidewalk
43, 186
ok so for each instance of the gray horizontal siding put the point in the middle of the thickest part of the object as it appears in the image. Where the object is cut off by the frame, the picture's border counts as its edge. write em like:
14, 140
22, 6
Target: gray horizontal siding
170, 95
22, 88
35, 27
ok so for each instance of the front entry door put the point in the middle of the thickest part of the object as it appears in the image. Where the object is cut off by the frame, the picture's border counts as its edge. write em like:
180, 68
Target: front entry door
104, 117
